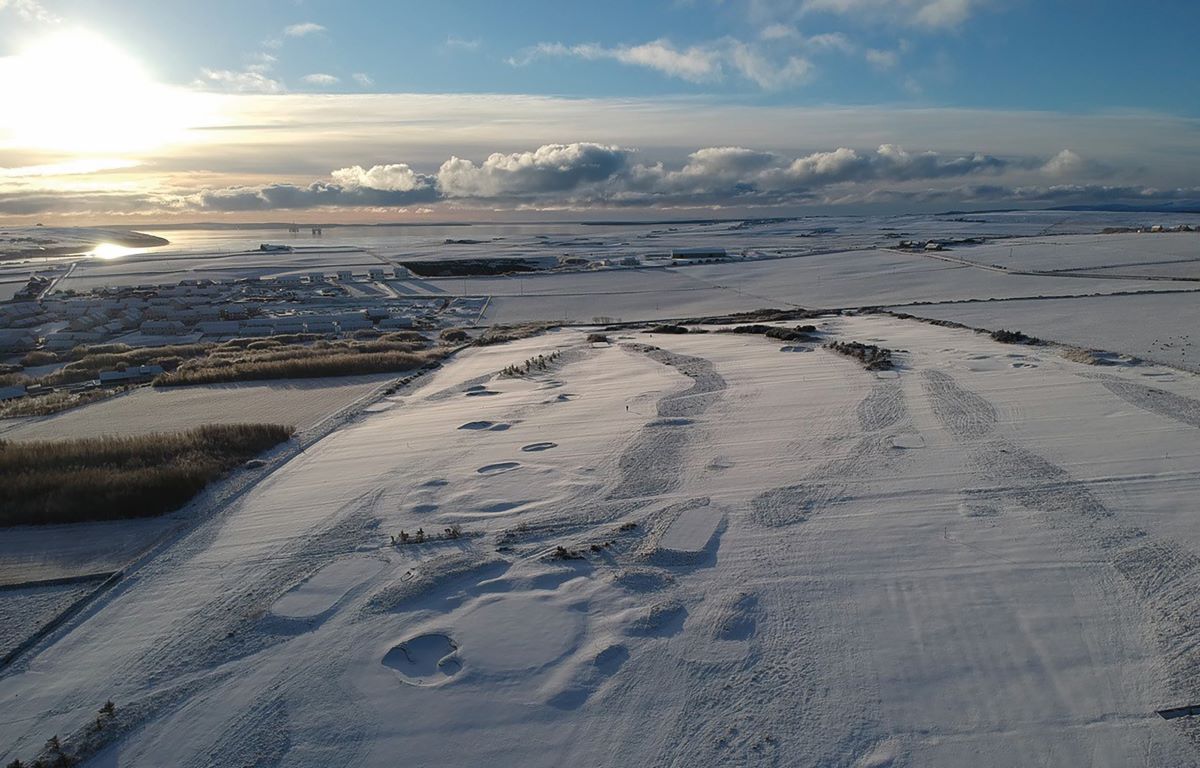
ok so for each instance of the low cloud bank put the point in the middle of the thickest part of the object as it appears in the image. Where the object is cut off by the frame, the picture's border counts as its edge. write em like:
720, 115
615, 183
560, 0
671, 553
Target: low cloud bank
588, 175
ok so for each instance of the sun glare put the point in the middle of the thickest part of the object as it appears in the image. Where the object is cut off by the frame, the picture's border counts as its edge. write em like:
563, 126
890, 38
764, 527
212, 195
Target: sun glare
76, 92
109, 251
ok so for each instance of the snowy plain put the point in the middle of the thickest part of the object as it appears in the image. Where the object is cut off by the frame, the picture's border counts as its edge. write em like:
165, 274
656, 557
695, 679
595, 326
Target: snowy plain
695, 549
978, 559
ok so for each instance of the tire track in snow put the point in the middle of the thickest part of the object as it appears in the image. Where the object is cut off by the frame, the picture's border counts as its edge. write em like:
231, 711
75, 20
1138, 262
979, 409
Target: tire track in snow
649, 465
1160, 402
832, 483
1164, 576
963, 413
226, 627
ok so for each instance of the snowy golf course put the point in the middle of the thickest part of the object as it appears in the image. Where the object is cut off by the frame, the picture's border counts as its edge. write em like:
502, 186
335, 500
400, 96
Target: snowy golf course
676, 550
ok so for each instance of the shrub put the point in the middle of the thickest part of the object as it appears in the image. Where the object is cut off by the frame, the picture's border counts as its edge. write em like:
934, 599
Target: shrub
1013, 337
873, 357
500, 334
111, 478
667, 329
454, 336
597, 338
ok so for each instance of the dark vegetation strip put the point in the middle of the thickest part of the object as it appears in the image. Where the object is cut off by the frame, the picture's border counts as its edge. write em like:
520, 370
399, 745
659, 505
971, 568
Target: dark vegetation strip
114, 478
873, 357
298, 366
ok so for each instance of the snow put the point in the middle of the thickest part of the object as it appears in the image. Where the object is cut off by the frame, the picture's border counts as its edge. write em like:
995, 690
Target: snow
1155, 327
39, 553
299, 402
784, 559
693, 549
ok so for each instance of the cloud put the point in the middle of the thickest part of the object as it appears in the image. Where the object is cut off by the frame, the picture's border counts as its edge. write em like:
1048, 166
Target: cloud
68, 168
882, 60
29, 10
321, 78
303, 30
398, 177
929, 14
1065, 163
463, 44
363, 79
292, 197
696, 64
553, 168
252, 80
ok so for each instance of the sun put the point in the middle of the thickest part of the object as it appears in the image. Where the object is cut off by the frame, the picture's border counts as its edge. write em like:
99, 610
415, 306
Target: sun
75, 92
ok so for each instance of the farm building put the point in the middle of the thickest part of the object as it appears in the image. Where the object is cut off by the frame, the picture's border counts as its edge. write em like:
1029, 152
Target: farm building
703, 255
132, 375
12, 393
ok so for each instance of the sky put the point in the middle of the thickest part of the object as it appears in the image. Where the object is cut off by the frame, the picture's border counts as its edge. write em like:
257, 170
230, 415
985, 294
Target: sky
386, 110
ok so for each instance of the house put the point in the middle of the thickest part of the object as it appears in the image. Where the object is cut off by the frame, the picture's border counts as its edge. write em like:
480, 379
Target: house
133, 375
12, 393
219, 327
377, 275
345, 275
162, 328
354, 324
16, 340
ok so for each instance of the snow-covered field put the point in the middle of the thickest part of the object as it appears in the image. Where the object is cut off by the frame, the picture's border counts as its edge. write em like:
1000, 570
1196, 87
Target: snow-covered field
298, 402
1175, 254
1161, 327
768, 558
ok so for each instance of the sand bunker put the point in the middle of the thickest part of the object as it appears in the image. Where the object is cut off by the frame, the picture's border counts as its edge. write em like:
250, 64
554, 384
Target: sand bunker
425, 660
907, 440
325, 588
692, 530
499, 467
518, 632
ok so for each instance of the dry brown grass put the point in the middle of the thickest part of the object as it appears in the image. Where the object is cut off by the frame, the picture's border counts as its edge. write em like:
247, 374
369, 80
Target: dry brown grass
313, 363
55, 402
114, 478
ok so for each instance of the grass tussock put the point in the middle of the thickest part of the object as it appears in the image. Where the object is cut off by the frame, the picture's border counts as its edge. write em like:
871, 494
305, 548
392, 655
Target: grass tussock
55, 402
799, 333
873, 357
1013, 337
537, 364
113, 478
501, 334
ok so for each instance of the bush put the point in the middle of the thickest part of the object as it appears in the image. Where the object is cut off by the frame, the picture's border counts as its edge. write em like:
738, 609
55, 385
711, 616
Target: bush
597, 338
501, 334
1013, 337
112, 478
454, 336
873, 357
667, 329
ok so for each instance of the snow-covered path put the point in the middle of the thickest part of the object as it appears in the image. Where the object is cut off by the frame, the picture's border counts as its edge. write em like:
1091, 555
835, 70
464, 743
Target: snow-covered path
988, 557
